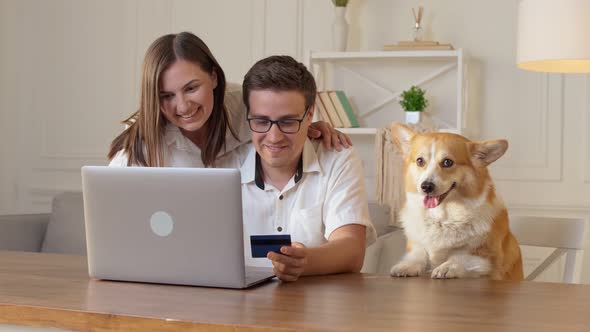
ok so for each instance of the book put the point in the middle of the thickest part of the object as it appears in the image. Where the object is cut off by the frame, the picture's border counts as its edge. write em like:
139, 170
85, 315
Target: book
322, 111
418, 47
417, 43
330, 109
348, 109
339, 109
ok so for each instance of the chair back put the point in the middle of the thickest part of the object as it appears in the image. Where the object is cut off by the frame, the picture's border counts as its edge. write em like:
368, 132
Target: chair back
566, 235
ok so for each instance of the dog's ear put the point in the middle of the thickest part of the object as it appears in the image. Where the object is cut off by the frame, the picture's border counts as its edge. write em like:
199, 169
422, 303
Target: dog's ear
401, 135
485, 153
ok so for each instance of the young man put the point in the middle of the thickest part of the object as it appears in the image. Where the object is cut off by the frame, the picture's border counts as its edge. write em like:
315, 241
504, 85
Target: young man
291, 185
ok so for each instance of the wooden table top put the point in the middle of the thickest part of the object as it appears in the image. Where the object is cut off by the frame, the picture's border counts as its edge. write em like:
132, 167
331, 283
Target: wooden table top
55, 291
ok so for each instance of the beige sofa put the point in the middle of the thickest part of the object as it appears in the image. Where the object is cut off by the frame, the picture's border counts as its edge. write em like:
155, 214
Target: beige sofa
62, 231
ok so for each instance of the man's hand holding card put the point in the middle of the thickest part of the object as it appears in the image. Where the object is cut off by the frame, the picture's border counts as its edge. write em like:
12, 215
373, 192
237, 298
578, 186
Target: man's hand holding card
290, 263
288, 259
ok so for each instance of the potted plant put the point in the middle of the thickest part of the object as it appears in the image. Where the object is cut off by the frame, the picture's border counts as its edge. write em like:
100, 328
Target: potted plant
413, 102
339, 26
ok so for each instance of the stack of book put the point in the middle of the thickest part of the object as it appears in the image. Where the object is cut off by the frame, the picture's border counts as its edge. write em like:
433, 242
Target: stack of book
417, 46
335, 108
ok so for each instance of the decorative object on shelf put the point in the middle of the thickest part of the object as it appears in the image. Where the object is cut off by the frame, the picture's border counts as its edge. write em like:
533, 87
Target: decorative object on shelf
332, 113
413, 102
335, 108
418, 44
418, 31
426, 45
339, 26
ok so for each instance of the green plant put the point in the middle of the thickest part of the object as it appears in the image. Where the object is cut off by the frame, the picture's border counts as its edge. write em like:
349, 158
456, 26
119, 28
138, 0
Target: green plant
340, 3
413, 100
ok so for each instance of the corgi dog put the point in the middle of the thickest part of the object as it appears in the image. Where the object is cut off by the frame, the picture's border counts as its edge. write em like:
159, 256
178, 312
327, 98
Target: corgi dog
455, 223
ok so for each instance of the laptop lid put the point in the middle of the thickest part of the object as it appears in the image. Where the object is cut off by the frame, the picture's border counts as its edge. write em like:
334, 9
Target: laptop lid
164, 225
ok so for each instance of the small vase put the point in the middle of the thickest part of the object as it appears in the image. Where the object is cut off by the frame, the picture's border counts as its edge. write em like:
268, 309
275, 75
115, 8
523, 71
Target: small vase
339, 30
418, 32
413, 117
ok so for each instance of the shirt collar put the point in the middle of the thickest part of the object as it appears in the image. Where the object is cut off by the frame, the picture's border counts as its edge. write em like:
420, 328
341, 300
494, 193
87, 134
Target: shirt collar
248, 168
310, 158
173, 136
251, 171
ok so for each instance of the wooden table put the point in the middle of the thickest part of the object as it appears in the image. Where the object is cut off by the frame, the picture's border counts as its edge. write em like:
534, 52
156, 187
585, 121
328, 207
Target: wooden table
55, 291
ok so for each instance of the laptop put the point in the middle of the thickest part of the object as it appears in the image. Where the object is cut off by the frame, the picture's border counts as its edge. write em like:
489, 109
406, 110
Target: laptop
167, 225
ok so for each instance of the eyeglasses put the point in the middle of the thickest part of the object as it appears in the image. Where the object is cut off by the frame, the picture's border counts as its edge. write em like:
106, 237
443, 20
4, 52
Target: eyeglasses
287, 126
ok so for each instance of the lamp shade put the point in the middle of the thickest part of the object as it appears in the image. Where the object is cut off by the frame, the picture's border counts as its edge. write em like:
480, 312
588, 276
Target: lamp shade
554, 36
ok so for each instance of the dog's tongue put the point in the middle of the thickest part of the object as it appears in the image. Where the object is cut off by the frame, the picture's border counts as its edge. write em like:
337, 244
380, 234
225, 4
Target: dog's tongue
431, 201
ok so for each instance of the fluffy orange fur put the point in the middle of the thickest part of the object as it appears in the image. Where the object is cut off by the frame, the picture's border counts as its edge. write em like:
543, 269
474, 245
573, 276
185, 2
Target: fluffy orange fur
457, 225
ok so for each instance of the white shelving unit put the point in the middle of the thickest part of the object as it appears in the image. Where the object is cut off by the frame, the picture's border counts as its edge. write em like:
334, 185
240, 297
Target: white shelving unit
322, 56
373, 131
371, 82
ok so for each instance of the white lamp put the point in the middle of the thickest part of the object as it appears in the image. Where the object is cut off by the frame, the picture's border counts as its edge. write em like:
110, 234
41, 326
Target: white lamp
554, 36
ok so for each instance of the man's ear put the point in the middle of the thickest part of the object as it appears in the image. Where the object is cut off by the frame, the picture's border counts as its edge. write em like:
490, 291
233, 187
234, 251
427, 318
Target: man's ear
311, 112
401, 135
485, 153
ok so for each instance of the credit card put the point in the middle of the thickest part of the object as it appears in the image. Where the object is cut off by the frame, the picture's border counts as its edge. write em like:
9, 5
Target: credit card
262, 244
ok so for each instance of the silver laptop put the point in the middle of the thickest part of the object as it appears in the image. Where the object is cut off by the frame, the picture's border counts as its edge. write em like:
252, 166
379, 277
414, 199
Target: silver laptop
166, 225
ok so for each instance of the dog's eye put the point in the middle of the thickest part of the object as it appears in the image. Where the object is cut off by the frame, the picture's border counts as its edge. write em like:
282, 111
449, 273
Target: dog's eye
447, 163
420, 162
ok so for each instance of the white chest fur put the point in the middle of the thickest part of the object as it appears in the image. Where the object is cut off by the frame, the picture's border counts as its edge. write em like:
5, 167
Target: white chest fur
457, 224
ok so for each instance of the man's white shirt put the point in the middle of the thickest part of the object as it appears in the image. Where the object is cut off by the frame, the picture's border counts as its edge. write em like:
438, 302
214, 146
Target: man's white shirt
327, 192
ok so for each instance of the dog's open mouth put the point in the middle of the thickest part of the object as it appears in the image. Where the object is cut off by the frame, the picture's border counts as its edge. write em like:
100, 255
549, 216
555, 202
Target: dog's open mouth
433, 201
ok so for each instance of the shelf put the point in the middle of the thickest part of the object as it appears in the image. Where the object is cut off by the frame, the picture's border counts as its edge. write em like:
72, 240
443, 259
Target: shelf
373, 131
331, 56
374, 81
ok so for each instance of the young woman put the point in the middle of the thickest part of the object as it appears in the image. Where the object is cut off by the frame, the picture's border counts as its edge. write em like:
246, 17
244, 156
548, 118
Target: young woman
188, 116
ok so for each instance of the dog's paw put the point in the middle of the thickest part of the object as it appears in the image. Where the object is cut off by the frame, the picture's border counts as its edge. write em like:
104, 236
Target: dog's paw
448, 270
407, 269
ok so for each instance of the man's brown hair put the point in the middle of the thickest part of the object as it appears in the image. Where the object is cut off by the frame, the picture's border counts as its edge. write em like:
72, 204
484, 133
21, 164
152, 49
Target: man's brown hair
280, 73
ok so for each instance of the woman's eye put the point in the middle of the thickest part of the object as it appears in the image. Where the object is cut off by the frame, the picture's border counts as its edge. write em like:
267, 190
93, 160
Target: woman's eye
420, 162
165, 97
192, 88
447, 163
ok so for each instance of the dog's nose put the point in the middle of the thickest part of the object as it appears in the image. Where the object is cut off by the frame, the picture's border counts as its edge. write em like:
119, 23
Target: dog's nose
427, 187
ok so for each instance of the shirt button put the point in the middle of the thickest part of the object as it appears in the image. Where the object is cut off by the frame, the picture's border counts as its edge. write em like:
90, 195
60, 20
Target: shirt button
280, 229
281, 197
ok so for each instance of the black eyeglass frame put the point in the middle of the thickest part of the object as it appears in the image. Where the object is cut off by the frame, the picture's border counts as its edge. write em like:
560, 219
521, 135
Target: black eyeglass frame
277, 122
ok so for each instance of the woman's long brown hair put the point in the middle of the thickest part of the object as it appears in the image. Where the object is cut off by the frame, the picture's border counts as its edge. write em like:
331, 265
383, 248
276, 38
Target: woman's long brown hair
143, 140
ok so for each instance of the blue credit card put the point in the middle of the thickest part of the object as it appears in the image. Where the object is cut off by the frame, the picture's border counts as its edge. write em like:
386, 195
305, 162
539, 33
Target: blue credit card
262, 244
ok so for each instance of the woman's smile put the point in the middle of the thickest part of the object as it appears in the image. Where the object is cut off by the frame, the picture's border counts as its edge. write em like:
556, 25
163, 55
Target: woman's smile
189, 115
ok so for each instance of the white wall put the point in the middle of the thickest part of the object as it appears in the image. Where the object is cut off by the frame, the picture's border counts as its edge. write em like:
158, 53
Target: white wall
69, 73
